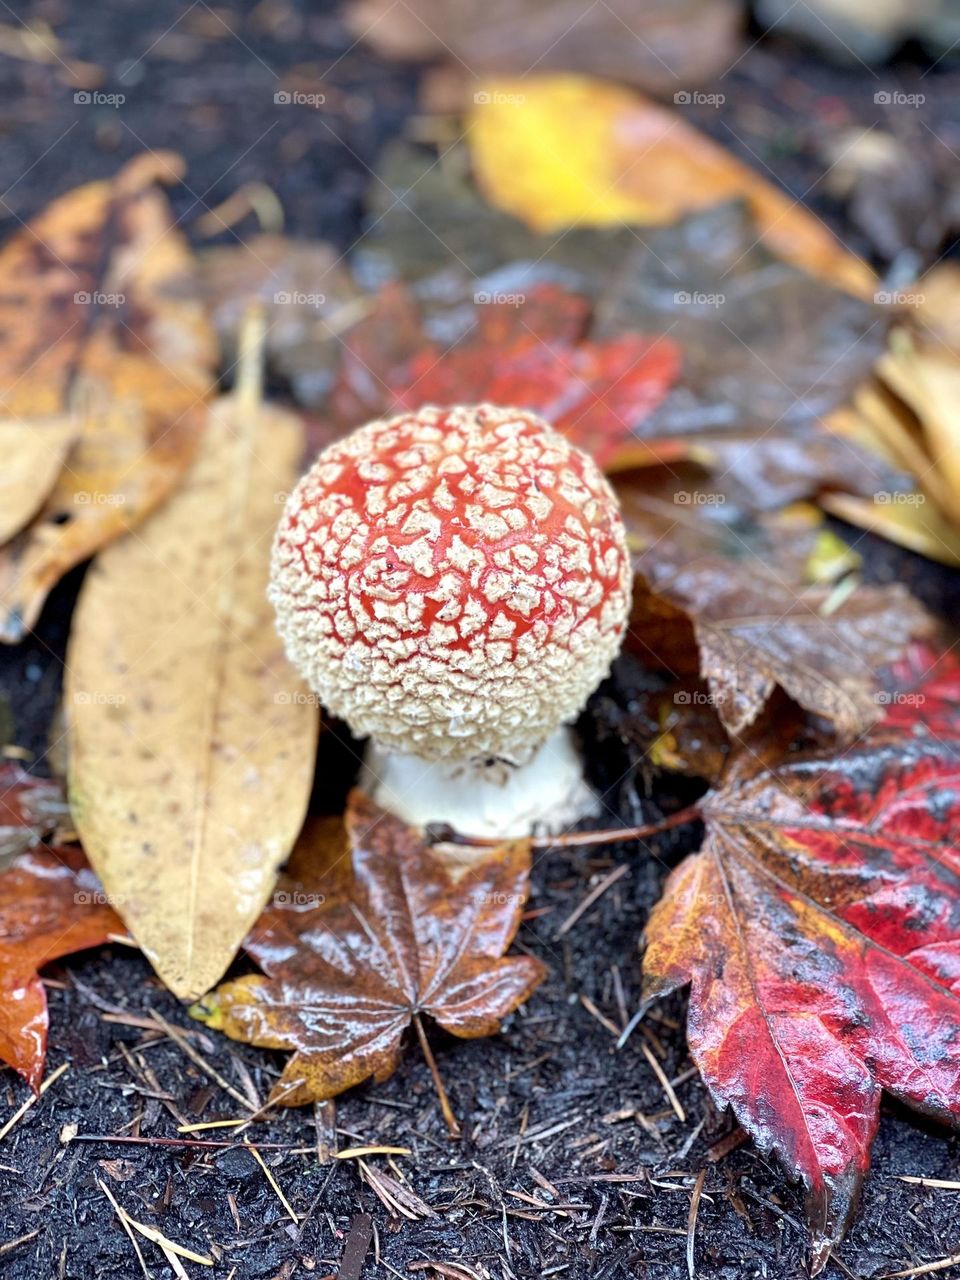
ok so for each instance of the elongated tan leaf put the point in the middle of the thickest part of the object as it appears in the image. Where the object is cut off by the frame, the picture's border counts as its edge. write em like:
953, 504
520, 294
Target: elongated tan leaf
104, 369
33, 453
192, 741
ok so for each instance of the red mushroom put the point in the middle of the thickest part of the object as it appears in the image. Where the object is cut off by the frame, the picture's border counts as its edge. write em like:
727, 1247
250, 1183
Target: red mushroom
454, 583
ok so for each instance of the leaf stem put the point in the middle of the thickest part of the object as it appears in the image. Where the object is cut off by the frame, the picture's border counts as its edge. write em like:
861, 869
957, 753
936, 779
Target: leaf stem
438, 833
445, 1107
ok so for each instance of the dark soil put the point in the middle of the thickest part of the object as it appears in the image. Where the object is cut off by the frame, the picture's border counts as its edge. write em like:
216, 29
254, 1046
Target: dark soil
550, 1103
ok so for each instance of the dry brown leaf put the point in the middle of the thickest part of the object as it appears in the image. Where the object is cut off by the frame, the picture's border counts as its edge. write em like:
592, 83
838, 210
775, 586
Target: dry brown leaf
557, 151
102, 371
192, 741
659, 45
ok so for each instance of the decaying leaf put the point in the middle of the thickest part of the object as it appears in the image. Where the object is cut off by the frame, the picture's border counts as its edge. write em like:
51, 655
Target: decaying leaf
30, 809
103, 373
767, 350
713, 598
309, 296
50, 906
659, 45
192, 742
355, 950
532, 352
560, 150
818, 928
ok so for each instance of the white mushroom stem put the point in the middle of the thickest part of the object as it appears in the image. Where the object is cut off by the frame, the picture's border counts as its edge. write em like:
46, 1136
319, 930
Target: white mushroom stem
496, 800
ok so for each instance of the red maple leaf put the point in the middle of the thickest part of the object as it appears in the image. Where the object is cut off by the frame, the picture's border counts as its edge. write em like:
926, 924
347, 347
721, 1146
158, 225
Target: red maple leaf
819, 928
532, 352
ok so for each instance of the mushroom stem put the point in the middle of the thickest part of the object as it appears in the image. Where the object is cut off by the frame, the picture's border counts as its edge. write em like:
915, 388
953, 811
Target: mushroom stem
489, 799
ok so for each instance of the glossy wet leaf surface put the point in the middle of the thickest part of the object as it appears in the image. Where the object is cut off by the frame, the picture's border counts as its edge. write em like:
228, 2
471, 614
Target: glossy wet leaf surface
818, 930
364, 934
51, 905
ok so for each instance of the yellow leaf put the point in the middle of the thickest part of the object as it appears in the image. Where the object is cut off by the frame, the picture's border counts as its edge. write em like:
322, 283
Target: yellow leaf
557, 150
192, 741
908, 519
929, 382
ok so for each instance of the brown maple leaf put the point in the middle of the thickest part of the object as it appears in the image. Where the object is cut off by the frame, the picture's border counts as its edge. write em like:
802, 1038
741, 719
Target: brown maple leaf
718, 597
357, 945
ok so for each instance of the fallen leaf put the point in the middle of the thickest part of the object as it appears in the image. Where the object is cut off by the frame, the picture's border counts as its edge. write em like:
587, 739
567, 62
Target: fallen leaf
309, 297
715, 597
51, 905
533, 352
767, 350
356, 946
659, 45
564, 149
30, 809
192, 741
818, 928
102, 370
908, 414
928, 382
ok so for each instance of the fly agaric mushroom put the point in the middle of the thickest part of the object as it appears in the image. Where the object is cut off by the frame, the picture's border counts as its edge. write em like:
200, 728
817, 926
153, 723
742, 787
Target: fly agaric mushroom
454, 583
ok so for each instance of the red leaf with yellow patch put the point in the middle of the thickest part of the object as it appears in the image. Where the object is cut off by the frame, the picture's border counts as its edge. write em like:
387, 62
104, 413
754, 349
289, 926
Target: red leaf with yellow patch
51, 905
819, 928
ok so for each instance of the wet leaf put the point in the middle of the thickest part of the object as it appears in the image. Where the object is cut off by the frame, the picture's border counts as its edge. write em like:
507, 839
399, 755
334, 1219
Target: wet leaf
659, 45
818, 928
191, 739
356, 944
50, 906
309, 297
30, 809
102, 372
563, 150
767, 350
715, 597
533, 352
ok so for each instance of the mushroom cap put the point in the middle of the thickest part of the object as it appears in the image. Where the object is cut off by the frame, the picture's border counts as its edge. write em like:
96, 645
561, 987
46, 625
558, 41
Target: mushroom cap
453, 582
